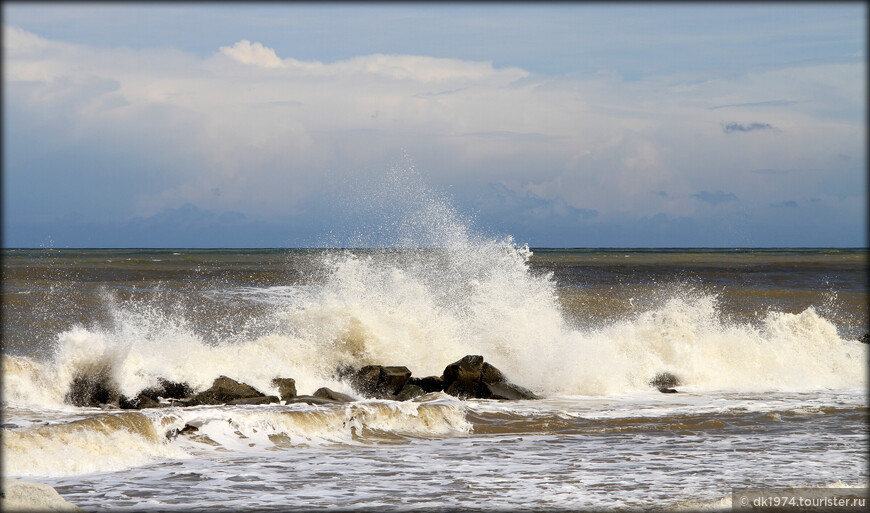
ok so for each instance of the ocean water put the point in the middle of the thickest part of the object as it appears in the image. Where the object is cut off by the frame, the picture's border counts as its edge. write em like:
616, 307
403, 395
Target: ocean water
765, 343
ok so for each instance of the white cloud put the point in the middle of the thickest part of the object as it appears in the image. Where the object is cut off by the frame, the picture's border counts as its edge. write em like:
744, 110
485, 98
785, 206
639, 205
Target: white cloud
255, 54
269, 133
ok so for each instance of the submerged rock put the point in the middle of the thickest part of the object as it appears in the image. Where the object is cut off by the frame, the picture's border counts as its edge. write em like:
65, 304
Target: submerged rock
286, 388
21, 495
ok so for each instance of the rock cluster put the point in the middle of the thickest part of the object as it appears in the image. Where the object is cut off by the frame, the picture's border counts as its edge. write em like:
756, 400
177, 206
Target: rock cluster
469, 377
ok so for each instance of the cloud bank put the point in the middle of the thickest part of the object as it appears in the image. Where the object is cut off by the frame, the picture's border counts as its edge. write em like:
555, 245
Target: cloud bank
123, 134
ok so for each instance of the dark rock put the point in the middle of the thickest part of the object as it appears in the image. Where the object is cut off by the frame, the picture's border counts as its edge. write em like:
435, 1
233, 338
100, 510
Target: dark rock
467, 369
309, 399
332, 395
138, 402
224, 390
428, 384
186, 430
266, 399
380, 381
365, 381
409, 392
286, 387
462, 378
865, 338
92, 389
667, 390
393, 379
168, 390
665, 380
489, 374
506, 391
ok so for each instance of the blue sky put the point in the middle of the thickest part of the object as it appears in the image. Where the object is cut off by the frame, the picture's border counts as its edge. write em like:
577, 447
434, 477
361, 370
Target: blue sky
564, 125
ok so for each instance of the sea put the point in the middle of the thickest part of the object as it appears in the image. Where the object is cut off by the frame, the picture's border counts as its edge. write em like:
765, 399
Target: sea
766, 345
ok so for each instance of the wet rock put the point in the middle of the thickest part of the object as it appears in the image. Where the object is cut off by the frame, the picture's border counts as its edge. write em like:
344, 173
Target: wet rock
462, 378
489, 374
506, 391
664, 382
332, 395
310, 399
428, 384
467, 369
365, 380
286, 388
186, 430
92, 389
471, 377
865, 338
137, 403
222, 391
393, 379
380, 381
168, 390
409, 392
266, 399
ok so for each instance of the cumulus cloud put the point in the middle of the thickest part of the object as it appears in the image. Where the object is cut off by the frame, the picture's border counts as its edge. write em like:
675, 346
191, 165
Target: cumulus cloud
715, 198
737, 127
255, 54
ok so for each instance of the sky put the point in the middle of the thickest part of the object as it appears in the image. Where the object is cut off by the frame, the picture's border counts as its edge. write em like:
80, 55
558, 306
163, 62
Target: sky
560, 125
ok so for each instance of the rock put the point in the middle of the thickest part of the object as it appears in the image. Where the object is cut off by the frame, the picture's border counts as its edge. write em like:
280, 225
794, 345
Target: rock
409, 392
138, 402
332, 395
186, 430
462, 378
665, 381
428, 384
286, 388
92, 390
365, 380
266, 399
224, 390
380, 381
309, 399
865, 338
471, 377
506, 390
21, 495
168, 390
489, 374
467, 369
393, 379
668, 390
